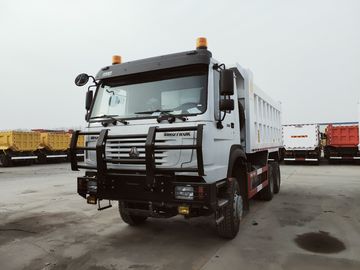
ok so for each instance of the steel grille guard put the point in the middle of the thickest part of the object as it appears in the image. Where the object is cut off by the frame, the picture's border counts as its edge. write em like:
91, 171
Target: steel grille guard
151, 170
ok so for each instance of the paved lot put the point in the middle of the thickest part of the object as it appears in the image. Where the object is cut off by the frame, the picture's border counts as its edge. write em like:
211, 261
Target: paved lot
314, 223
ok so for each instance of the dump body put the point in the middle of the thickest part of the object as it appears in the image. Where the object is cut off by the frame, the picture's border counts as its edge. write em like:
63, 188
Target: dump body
342, 142
55, 141
81, 141
301, 142
342, 136
19, 141
262, 115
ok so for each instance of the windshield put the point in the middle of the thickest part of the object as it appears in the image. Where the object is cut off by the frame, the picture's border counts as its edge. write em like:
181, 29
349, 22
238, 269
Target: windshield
182, 95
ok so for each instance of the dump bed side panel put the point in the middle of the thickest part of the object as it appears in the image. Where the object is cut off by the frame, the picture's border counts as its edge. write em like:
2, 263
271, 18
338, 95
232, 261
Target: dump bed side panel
55, 141
262, 113
301, 137
342, 136
359, 124
20, 141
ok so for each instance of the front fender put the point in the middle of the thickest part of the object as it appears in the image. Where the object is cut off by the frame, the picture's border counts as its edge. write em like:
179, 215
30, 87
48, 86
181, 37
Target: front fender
236, 153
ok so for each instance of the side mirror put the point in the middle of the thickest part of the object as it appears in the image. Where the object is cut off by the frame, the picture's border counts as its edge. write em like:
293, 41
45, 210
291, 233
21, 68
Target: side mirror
81, 79
226, 82
226, 105
89, 99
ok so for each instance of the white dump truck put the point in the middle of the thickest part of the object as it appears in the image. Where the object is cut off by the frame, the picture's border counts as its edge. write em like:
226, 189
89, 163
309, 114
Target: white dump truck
178, 134
301, 142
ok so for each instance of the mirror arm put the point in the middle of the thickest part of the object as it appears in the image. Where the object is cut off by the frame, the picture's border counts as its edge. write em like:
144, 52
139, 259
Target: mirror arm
94, 80
219, 66
93, 85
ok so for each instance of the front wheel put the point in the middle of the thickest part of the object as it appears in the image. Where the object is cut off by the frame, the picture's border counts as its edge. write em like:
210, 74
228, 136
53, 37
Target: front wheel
232, 212
132, 220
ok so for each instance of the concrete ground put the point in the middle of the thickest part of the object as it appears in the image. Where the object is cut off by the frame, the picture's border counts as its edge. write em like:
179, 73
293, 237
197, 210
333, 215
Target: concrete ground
314, 223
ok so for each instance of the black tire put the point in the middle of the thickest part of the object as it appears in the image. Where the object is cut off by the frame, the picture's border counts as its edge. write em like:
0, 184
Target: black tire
41, 158
276, 176
229, 226
5, 160
267, 193
132, 220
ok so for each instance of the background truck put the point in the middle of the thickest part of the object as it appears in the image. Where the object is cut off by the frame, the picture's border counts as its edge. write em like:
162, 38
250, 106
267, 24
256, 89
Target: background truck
39, 145
55, 144
342, 142
178, 134
18, 147
301, 142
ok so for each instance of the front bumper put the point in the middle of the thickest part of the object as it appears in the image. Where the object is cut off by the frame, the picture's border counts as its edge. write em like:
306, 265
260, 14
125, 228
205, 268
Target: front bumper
134, 188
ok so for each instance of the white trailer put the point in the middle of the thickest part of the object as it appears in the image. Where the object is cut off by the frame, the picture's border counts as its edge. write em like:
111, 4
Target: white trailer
301, 142
179, 134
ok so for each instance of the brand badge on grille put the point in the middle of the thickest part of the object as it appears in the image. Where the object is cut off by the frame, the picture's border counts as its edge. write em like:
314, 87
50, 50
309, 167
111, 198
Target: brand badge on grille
134, 152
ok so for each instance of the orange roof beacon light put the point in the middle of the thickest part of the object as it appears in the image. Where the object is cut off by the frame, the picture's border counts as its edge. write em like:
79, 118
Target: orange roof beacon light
116, 59
201, 43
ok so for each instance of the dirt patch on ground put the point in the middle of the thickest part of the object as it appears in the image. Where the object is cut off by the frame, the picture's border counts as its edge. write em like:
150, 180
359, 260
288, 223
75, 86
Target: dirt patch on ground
34, 225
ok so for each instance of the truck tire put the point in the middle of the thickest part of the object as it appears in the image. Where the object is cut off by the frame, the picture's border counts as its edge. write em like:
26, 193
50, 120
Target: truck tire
276, 176
132, 220
267, 193
232, 212
5, 160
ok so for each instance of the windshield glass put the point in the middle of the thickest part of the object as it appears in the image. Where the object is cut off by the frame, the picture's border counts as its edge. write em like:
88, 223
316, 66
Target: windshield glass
182, 95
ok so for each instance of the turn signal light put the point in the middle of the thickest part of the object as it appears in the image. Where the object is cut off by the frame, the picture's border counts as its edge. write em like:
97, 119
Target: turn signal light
91, 199
201, 43
184, 210
116, 59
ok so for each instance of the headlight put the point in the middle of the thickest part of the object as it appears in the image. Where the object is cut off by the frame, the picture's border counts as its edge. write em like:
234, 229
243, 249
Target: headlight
92, 187
184, 192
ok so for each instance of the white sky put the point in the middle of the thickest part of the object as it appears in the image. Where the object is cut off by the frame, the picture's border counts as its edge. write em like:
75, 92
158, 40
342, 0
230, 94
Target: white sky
304, 53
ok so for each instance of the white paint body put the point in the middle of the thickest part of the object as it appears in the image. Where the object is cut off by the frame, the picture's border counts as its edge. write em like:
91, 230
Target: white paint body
263, 131
262, 113
301, 137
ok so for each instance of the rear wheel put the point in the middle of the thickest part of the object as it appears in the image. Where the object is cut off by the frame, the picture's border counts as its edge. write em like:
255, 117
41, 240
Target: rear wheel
267, 193
132, 220
276, 176
232, 212
5, 160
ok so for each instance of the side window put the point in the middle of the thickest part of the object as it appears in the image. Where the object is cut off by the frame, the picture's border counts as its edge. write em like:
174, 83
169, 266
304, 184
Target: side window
216, 95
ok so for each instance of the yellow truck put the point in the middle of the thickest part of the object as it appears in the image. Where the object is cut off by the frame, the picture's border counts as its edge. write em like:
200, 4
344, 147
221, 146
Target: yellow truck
53, 145
18, 147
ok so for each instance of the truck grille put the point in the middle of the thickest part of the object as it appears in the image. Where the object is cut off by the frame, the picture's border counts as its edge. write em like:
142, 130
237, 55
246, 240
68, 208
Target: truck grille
120, 149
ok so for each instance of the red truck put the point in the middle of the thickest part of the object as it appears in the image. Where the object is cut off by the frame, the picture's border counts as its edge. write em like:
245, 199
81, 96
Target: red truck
342, 142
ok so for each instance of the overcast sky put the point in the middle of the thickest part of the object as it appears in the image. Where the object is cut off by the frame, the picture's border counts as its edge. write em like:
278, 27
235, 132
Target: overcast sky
304, 53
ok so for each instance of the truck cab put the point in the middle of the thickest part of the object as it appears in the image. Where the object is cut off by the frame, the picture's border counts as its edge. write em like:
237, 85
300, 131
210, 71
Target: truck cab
175, 134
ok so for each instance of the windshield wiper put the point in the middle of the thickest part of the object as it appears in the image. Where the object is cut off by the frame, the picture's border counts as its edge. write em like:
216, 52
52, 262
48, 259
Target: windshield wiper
164, 115
112, 118
154, 111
